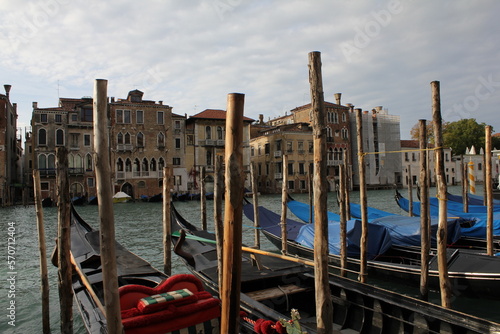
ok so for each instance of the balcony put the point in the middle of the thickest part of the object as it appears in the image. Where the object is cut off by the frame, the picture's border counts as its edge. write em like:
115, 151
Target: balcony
139, 174
75, 171
278, 176
334, 162
277, 154
124, 147
47, 172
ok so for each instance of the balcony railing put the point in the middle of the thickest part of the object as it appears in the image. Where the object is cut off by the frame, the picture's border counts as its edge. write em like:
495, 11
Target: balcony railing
334, 162
139, 174
278, 176
124, 147
47, 171
277, 154
75, 170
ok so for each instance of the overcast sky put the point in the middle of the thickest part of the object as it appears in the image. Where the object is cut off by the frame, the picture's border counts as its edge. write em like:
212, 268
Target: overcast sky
191, 54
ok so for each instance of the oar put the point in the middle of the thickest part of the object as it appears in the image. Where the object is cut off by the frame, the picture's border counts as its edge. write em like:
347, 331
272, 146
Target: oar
250, 250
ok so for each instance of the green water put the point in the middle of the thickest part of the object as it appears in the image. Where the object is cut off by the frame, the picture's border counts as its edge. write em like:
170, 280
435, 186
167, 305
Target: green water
139, 228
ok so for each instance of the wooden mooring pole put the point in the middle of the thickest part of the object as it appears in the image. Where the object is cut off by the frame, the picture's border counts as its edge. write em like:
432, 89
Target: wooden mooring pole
105, 207
233, 215
488, 184
218, 223
255, 197
324, 307
343, 220
284, 196
44, 277
362, 197
424, 212
167, 217
64, 241
442, 189
203, 199
410, 192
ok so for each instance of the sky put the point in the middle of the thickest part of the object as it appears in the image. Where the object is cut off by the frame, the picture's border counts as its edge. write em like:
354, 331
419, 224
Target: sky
191, 54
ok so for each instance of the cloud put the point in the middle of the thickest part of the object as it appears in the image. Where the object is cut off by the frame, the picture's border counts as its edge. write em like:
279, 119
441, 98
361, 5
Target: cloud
192, 54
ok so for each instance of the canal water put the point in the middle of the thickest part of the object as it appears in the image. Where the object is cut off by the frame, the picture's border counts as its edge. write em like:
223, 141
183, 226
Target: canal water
139, 228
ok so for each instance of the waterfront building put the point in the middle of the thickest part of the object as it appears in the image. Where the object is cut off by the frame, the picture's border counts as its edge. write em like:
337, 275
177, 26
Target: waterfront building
205, 141
267, 150
141, 144
10, 151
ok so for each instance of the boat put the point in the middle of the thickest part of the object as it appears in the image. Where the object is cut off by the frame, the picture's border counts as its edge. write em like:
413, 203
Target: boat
470, 272
472, 199
475, 225
47, 202
79, 200
93, 200
270, 292
121, 197
145, 293
156, 198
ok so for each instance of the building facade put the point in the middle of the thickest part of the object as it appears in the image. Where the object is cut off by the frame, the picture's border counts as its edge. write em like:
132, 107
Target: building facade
10, 151
267, 150
205, 141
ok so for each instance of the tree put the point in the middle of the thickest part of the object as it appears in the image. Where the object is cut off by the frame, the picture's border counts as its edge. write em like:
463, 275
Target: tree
464, 133
459, 135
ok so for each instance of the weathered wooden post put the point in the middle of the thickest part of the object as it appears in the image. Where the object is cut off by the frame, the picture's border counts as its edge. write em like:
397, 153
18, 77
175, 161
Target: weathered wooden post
167, 217
311, 191
64, 241
284, 194
233, 214
465, 184
203, 199
410, 192
442, 232
44, 278
424, 212
343, 220
488, 184
324, 307
256, 219
218, 224
106, 213
362, 197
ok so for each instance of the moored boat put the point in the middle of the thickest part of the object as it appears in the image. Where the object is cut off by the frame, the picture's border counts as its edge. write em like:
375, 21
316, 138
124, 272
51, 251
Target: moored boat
271, 292
470, 272
151, 302
121, 197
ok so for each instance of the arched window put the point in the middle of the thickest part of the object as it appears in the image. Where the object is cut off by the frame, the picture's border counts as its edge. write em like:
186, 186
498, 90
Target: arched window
119, 165
145, 165
344, 117
152, 165
330, 154
345, 133
42, 161
208, 132
51, 161
335, 117
59, 137
42, 137
161, 139
127, 138
219, 133
161, 164
140, 139
89, 163
128, 165
209, 158
137, 165
119, 138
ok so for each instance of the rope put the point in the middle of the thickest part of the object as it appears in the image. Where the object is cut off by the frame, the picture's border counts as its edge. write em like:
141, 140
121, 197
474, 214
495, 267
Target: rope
401, 151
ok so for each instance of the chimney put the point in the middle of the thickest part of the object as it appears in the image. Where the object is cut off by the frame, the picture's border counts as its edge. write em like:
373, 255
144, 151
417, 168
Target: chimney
35, 105
337, 98
160, 103
112, 99
261, 118
7, 89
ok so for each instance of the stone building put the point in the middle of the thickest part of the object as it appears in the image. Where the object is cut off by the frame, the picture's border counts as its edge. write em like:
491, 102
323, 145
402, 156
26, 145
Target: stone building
205, 140
381, 142
141, 143
10, 151
68, 125
267, 150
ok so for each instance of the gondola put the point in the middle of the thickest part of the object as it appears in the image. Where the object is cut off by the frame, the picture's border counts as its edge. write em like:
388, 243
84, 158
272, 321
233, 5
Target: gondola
270, 293
151, 302
470, 273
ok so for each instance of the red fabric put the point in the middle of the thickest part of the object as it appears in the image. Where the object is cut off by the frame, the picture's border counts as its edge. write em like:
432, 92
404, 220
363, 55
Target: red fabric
264, 327
279, 328
174, 316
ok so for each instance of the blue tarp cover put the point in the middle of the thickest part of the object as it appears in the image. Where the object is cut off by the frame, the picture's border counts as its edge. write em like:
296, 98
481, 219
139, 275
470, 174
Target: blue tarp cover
379, 240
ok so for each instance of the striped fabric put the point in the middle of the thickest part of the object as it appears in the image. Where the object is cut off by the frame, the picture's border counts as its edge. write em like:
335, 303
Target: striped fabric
207, 327
165, 297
